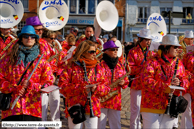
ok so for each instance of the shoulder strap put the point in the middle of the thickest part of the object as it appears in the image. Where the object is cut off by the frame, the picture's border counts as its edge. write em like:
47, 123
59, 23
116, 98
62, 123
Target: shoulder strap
176, 66
145, 55
175, 69
25, 72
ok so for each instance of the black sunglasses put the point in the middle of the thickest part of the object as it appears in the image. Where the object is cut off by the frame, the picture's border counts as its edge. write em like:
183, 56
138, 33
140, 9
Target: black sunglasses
92, 52
175, 47
114, 49
53, 38
27, 36
39, 29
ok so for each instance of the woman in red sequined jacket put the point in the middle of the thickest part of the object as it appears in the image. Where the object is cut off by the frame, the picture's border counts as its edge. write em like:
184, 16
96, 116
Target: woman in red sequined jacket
73, 83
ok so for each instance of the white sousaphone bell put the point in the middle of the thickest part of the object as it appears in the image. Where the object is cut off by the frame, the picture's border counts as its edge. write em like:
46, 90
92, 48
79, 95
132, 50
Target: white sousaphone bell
157, 26
11, 13
54, 15
106, 17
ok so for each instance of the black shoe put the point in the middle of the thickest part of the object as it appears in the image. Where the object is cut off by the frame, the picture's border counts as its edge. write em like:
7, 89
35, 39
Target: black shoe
174, 128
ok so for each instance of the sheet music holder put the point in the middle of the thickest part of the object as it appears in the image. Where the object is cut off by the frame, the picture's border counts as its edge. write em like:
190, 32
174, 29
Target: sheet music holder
177, 87
49, 89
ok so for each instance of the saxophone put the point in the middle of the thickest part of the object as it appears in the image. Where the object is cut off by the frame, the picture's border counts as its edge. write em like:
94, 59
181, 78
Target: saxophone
183, 45
113, 85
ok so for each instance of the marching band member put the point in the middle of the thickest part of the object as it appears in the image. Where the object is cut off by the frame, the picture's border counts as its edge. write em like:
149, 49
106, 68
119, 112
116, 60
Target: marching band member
185, 40
114, 70
73, 84
157, 75
54, 96
26, 50
44, 47
186, 118
71, 40
6, 41
137, 56
89, 31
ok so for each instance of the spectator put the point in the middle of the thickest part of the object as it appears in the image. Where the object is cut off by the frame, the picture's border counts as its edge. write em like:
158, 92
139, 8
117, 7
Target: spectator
104, 40
189, 18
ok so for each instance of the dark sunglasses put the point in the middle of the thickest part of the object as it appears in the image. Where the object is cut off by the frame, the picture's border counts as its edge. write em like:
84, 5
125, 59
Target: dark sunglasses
27, 36
39, 29
175, 47
114, 49
92, 52
53, 38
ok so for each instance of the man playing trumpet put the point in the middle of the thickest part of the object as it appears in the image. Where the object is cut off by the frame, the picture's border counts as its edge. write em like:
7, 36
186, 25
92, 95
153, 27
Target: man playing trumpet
111, 104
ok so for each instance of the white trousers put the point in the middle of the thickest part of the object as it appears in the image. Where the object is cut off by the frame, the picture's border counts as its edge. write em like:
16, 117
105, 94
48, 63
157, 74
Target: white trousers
54, 103
135, 96
186, 119
157, 121
113, 116
89, 123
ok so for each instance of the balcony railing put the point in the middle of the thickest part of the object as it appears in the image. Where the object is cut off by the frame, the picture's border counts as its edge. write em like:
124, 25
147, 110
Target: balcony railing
184, 21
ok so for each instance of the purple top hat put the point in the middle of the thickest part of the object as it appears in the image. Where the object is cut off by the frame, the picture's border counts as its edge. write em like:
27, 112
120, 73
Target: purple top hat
109, 44
33, 21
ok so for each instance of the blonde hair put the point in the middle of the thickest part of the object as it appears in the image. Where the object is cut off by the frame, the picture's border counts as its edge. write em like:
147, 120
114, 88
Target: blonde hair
49, 33
71, 38
81, 49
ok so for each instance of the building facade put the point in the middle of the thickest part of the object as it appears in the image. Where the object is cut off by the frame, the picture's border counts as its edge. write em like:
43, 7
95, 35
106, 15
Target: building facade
138, 11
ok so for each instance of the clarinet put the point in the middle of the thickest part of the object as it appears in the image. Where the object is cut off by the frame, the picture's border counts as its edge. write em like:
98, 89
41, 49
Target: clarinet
90, 93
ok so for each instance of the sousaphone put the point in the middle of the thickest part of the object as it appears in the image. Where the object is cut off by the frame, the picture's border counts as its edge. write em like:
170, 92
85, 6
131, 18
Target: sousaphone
156, 24
54, 15
11, 13
106, 17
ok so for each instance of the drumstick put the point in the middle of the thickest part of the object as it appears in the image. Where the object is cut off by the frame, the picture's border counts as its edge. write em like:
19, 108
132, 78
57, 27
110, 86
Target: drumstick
15, 101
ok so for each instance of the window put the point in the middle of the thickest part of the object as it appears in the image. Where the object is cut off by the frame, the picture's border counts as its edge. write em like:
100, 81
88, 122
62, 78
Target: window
65, 1
143, 14
166, 9
82, 6
188, 10
147, 12
91, 6
25, 4
72, 6
140, 12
